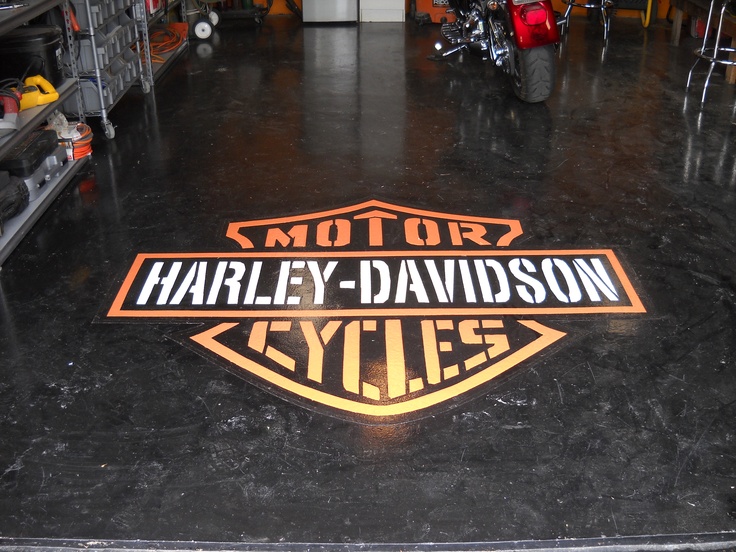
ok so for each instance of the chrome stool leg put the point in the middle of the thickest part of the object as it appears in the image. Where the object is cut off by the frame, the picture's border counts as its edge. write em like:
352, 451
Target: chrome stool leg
566, 17
712, 53
603, 7
606, 19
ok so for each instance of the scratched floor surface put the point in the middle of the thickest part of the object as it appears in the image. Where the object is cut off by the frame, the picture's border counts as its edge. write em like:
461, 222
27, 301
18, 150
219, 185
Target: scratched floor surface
117, 429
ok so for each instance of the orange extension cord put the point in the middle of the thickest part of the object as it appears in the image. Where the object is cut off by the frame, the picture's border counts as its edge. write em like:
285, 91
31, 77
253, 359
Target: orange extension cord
164, 41
82, 146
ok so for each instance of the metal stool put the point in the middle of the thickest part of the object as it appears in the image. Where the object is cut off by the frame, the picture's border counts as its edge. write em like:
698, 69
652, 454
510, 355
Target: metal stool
604, 6
712, 53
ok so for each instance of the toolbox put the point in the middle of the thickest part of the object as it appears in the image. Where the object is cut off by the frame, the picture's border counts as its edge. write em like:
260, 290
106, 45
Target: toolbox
37, 159
434, 11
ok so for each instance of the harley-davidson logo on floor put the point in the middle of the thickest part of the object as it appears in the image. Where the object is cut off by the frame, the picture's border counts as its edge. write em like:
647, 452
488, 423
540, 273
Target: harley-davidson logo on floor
374, 312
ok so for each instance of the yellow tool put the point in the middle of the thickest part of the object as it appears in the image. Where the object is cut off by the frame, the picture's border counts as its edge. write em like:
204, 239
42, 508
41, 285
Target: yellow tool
37, 91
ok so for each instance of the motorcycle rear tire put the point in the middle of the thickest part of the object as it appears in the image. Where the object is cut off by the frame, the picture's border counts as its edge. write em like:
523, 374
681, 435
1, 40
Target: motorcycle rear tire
534, 78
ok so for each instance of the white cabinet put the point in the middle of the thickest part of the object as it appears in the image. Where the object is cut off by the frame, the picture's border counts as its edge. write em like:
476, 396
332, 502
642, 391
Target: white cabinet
319, 11
382, 10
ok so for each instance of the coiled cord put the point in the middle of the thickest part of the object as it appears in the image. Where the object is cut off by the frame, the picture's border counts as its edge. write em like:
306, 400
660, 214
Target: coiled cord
164, 41
79, 147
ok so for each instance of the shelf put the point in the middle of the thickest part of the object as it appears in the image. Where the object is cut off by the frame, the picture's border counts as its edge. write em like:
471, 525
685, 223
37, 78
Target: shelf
10, 19
17, 227
159, 69
118, 96
156, 17
30, 119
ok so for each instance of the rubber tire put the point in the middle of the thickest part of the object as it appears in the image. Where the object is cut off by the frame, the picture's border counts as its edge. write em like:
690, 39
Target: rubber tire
535, 72
215, 17
203, 29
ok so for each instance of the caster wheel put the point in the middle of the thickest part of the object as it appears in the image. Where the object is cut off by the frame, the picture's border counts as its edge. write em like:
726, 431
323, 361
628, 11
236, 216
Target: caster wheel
146, 86
203, 29
108, 129
214, 17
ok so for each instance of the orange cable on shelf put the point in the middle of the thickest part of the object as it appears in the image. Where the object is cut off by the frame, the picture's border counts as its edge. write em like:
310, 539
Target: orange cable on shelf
82, 146
163, 41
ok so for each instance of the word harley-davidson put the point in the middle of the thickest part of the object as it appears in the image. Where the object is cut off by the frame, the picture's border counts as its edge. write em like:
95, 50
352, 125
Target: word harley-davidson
509, 281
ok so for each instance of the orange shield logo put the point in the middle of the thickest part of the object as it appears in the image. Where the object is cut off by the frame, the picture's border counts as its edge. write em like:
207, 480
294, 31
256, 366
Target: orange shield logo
375, 312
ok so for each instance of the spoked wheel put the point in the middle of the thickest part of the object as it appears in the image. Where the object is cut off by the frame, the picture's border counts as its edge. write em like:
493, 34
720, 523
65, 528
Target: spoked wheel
533, 73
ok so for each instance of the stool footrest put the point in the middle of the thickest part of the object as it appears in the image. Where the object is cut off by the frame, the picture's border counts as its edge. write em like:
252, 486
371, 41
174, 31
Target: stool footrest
711, 54
590, 6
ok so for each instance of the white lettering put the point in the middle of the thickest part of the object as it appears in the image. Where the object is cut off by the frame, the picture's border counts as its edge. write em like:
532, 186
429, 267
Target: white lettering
444, 290
320, 279
574, 294
408, 271
595, 278
196, 289
366, 282
535, 285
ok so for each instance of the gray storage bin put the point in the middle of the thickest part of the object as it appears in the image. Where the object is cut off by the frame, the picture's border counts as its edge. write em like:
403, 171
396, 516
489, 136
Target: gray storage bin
131, 66
81, 13
90, 98
87, 53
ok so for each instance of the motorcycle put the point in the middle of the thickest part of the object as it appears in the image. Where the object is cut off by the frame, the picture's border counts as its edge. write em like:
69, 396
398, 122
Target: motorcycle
519, 36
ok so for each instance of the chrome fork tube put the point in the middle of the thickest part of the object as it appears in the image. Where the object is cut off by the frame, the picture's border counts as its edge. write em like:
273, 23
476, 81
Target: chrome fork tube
497, 46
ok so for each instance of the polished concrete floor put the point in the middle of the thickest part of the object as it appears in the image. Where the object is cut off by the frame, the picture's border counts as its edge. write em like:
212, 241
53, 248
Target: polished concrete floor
622, 432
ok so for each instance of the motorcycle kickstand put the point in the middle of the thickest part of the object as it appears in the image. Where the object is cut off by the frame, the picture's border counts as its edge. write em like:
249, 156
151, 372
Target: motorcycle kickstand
452, 50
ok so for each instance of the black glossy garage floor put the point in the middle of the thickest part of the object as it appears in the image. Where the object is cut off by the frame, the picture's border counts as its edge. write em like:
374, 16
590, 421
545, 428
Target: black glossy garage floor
122, 432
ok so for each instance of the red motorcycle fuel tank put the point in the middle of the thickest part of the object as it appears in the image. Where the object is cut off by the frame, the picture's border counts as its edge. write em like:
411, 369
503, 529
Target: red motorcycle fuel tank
534, 23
